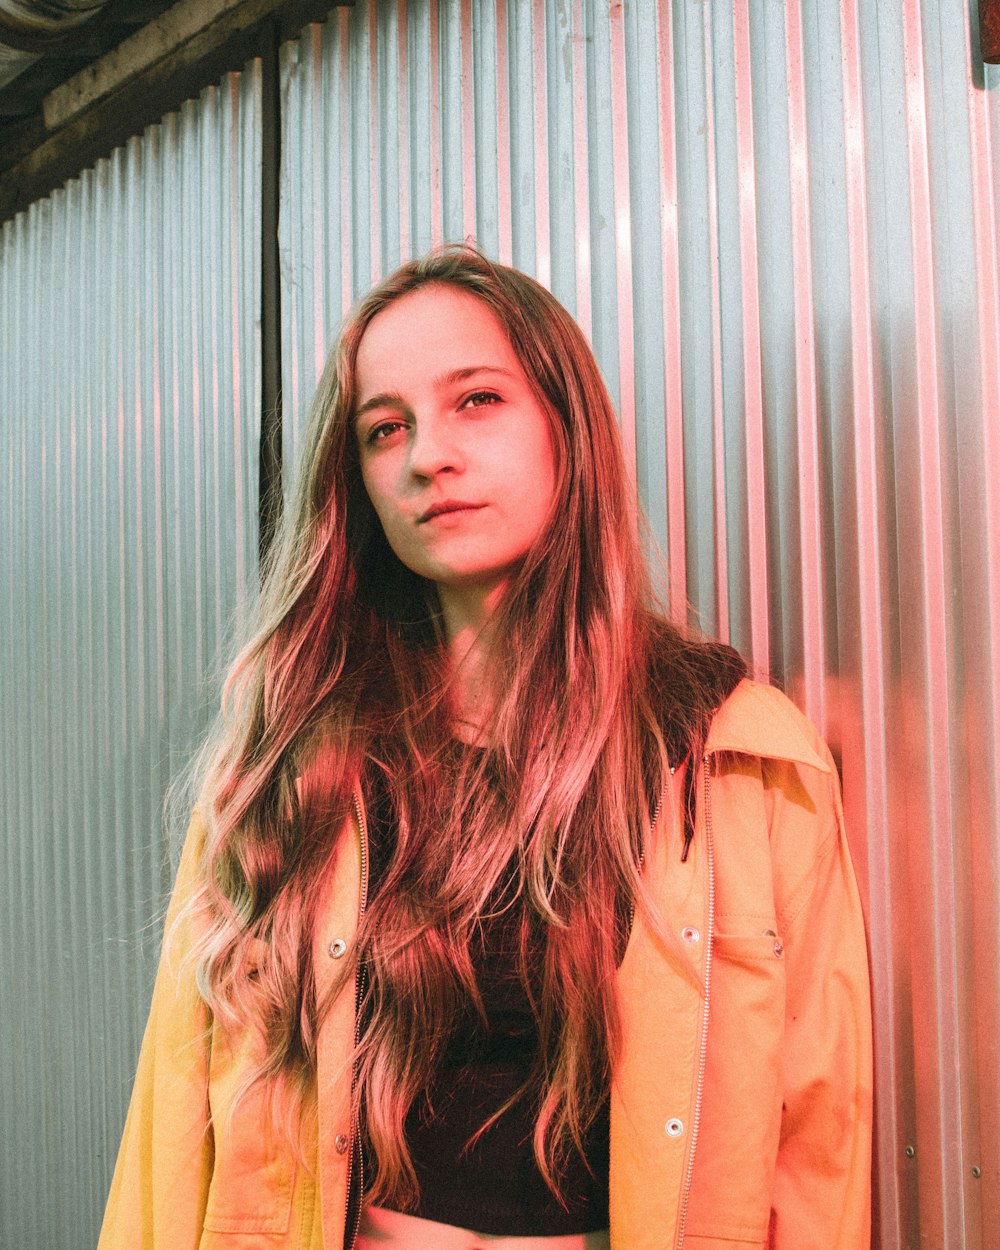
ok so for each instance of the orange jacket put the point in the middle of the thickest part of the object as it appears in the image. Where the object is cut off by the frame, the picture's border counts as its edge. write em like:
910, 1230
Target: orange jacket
740, 1116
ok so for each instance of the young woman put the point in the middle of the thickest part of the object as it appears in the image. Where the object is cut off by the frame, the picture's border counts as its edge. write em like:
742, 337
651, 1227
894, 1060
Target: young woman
508, 915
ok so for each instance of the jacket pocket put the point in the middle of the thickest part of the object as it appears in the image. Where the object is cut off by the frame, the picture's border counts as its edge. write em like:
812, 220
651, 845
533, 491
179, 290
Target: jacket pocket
254, 1170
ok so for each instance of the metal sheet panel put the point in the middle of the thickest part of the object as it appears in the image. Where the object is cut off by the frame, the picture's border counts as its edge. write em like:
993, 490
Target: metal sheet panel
129, 418
778, 225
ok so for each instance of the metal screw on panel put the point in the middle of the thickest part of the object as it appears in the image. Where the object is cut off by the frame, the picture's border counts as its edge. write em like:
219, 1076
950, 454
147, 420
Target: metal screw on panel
977, 1172
910, 1151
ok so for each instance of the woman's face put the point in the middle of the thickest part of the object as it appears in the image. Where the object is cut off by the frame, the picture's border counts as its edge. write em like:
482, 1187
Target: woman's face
456, 451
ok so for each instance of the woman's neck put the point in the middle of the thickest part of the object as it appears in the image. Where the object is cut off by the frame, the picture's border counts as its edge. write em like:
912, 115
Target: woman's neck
468, 613
468, 699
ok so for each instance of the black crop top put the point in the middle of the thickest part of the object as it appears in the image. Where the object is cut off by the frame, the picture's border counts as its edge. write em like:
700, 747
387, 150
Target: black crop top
495, 1185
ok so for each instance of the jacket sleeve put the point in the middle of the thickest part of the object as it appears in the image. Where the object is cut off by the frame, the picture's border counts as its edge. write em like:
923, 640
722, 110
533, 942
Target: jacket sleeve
823, 1175
161, 1179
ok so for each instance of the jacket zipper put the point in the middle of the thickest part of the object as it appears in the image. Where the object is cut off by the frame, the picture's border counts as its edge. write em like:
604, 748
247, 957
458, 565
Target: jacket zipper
707, 765
355, 1144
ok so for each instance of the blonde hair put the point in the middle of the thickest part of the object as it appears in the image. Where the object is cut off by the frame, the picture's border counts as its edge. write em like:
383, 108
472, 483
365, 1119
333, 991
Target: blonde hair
594, 692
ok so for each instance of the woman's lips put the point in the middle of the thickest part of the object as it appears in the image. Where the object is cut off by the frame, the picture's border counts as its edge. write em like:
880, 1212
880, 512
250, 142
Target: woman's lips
441, 511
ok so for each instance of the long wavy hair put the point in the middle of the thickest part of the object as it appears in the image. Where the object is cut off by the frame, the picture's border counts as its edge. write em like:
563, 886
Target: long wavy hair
593, 695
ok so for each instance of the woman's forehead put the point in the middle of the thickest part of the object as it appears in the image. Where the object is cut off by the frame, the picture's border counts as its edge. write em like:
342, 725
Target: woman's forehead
436, 331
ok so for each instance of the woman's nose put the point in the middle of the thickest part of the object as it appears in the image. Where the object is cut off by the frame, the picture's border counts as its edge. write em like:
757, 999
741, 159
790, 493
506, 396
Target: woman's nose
433, 449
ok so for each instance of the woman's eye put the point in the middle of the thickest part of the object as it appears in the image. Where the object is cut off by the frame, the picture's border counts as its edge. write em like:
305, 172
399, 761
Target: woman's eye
480, 399
378, 433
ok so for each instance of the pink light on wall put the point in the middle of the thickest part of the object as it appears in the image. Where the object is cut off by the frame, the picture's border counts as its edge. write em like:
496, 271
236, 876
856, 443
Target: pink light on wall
753, 399
543, 256
403, 133
504, 243
581, 174
623, 233
810, 498
673, 397
468, 125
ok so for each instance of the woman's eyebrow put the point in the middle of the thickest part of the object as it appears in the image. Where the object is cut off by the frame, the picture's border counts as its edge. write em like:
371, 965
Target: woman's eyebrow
393, 399
460, 375
384, 399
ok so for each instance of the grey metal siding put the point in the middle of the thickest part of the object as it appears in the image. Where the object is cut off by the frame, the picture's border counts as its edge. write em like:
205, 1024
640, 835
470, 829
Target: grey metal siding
778, 224
129, 417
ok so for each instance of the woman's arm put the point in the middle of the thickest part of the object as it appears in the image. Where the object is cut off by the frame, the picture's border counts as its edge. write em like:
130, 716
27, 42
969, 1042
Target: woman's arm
823, 1176
160, 1184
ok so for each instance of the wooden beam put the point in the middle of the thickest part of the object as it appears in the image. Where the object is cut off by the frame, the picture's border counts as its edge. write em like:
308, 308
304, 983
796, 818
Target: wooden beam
189, 46
184, 35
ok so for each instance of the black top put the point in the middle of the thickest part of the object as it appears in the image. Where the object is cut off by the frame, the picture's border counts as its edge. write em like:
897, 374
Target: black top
493, 1186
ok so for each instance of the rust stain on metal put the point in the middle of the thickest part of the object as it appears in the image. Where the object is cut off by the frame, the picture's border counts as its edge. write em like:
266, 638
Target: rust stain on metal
989, 30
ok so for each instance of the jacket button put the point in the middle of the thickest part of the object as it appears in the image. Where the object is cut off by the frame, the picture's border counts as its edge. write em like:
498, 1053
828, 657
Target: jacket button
779, 949
675, 1128
341, 1142
337, 948
690, 934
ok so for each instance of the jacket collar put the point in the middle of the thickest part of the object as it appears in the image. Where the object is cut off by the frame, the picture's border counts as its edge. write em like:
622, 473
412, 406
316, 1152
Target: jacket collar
760, 720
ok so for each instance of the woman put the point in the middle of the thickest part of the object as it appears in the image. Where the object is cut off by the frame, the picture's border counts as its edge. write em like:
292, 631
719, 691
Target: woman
507, 914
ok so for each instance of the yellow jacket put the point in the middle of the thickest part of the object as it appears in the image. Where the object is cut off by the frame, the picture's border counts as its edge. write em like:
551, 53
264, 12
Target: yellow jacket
740, 1117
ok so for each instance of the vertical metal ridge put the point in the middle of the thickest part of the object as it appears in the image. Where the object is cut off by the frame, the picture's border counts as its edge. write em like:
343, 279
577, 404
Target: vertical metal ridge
415, 45
720, 539
292, 338
984, 210
403, 137
437, 217
581, 173
753, 399
346, 164
673, 397
315, 306
236, 397
864, 716
468, 123
983, 707
374, 140
159, 553
504, 223
931, 864
810, 496
543, 252
622, 236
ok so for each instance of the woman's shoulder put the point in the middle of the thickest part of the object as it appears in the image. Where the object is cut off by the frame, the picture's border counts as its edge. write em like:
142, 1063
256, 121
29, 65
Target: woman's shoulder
759, 719
192, 843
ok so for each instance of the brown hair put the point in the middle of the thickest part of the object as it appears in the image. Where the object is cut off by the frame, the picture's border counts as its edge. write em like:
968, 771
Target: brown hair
594, 694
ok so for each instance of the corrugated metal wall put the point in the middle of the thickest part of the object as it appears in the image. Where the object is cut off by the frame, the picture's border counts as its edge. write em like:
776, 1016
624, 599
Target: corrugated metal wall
129, 419
778, 223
